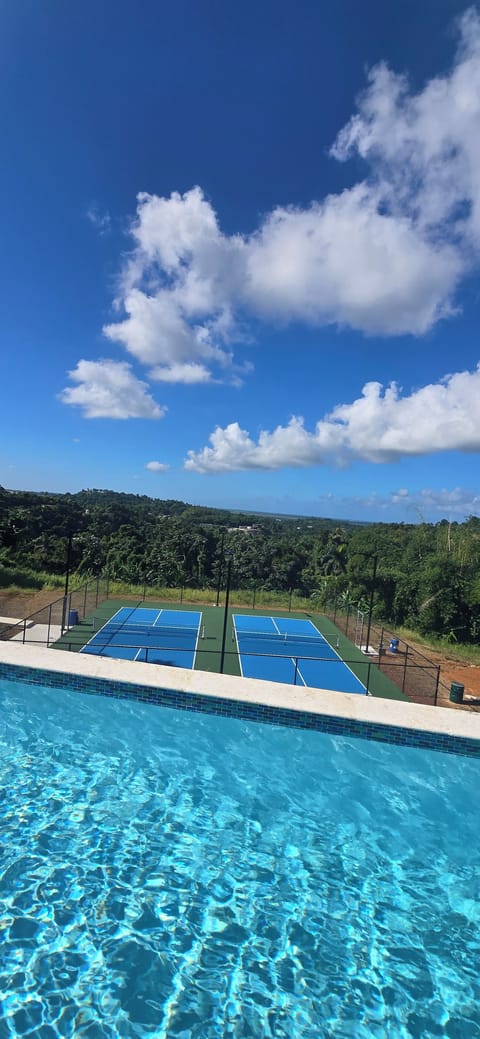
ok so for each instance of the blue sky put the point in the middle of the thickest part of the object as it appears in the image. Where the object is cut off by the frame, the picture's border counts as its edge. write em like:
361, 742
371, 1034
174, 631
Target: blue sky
240, 253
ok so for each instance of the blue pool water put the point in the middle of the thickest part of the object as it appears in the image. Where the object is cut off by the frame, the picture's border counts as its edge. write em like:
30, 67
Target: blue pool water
171, 874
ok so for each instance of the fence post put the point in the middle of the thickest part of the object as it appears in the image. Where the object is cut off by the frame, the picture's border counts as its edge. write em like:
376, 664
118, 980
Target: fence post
144, 589
96, 594
290, 599
368, 676
107, 588
436, 686
254, 595
405, 667
346, 619
85, 601
24, 630
181, 593
380, 646
335, 608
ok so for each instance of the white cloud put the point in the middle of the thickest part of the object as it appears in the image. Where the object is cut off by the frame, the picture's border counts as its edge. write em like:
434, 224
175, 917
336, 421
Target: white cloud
157, 467
384, 256
102, 221
109, 389
190, 374
456, 502
380, 426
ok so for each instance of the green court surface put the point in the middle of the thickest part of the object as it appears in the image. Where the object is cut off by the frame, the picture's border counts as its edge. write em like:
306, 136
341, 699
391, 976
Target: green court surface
208, 657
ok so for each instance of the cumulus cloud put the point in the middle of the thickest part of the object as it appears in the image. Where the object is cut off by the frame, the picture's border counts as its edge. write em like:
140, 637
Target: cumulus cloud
459, 501
190, 374
157, 467
384, 256
380, 426
109, 389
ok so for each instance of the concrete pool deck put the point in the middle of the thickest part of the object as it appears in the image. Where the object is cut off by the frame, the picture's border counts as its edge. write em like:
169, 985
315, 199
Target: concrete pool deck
365, 710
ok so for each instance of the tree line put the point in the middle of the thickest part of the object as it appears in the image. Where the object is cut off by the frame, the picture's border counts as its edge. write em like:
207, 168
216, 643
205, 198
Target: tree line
427, 576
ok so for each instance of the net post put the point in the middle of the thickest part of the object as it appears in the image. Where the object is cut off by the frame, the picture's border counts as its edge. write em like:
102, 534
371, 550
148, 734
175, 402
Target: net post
49, 624
24, 630
296, 671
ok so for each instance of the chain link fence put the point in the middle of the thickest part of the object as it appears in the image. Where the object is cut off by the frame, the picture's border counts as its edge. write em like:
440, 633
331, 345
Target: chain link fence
410, 670
48, 624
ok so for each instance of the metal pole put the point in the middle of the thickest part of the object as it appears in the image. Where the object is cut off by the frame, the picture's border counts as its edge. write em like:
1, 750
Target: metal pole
67, 578
368, 676
49, 624
290, 600
254, 594
370, 609
225, 616
335, 608
436, 686
219, 582
296, 671
405, 668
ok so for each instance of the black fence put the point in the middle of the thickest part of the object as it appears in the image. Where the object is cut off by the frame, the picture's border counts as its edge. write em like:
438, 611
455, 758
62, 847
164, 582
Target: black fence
410, 670
47, 624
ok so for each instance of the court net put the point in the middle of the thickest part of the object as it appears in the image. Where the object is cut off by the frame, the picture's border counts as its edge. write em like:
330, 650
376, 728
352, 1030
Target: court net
281, 637
149, 633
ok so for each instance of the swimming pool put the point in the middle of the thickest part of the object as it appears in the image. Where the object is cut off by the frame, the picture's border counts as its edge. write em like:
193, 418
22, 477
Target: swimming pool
169, 873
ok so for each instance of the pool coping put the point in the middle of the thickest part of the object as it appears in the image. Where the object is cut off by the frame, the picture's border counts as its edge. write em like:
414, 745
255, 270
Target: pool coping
386, 720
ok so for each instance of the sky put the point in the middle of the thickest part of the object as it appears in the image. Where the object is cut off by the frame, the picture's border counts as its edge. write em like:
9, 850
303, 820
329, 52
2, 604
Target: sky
240, 252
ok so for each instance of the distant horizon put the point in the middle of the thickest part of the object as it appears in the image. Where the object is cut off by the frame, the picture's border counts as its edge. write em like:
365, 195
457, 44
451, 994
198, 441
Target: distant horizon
243, 509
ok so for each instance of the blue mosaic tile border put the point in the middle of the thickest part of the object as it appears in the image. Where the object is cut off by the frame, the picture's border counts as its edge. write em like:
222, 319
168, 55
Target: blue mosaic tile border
184, 701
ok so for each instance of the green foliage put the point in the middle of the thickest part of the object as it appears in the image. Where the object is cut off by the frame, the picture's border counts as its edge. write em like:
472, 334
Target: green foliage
425, 576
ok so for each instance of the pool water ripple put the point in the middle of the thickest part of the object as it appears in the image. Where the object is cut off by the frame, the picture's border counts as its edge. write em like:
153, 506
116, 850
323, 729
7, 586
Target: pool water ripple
171, 874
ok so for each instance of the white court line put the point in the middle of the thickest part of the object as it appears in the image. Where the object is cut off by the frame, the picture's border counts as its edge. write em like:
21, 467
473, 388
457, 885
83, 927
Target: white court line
239, 655
293, 659
196, 643
110, 619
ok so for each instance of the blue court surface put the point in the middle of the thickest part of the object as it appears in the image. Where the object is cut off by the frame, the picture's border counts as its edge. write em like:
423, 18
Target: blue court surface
283, 649
152, 636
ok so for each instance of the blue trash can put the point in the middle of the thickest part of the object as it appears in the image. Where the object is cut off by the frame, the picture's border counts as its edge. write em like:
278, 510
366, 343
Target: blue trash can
394, 643
72, 618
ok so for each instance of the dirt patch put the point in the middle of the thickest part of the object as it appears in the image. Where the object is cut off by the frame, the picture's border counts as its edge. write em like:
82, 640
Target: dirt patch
23, 604
452, 671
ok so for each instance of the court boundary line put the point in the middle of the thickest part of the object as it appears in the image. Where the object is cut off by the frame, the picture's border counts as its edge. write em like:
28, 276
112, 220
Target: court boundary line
342, 661
284, 634
143, 648
196, 641
296, 670
239, 655
97, 632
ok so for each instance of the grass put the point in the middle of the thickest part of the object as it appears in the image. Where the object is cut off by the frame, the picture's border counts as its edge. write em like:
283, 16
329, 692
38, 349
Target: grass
457, 651
251, 598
